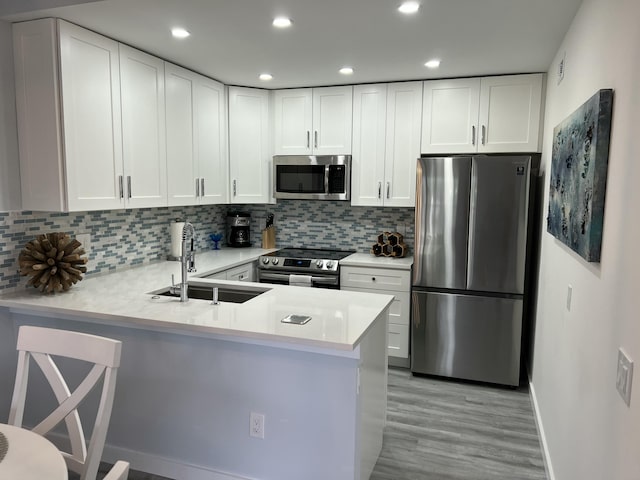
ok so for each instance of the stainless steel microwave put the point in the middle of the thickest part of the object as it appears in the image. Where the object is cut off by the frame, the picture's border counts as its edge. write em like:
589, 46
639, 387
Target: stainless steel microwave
312, 177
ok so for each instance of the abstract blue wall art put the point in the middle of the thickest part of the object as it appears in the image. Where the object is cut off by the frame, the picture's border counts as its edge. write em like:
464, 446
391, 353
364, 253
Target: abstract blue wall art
579, 176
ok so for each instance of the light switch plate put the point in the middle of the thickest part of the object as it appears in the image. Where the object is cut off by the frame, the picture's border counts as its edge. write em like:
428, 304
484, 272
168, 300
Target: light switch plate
624, 376
569, 295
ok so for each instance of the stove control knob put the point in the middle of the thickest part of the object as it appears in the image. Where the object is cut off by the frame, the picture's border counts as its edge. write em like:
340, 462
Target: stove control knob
319, 264
329, 264
265, 260
275, 260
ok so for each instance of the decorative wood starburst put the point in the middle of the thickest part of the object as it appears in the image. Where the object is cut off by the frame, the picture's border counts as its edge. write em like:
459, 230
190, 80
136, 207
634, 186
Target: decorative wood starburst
54, 261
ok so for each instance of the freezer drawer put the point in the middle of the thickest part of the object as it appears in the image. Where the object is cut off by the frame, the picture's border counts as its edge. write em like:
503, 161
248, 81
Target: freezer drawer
465, 336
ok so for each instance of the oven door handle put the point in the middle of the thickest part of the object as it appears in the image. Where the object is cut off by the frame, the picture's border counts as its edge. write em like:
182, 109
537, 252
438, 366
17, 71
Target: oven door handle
329, 280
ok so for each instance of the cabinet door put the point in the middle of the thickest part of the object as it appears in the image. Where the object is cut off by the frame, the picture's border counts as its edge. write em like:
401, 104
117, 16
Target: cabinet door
292, 121
90, 77
510, 113
143, 128
367, 163
182, 174
210, 140
332, 120
249, 158
404, 110
39, 116
450, 116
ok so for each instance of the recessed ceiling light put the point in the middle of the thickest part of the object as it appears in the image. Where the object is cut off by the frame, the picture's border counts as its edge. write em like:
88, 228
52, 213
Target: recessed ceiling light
282, 22
265, 77
346, 70
179, 32
409, 7
432, 63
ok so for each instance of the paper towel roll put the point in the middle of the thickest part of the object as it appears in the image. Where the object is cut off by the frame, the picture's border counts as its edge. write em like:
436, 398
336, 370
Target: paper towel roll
176, 238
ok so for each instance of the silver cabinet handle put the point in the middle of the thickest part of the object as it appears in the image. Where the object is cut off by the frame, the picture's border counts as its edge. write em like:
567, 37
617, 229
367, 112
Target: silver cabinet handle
121, 184
484, 134
388, 188
202, 186
379, 190
308, 139
129, 185
235, 190
473, 135
197, 187
315, 139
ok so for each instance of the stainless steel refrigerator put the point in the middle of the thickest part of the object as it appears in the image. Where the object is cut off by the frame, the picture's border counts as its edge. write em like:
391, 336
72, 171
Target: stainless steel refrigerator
471, 225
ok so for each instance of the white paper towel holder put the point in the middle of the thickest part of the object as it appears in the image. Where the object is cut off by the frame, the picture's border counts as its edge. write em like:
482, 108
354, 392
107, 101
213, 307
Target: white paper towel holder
175, 235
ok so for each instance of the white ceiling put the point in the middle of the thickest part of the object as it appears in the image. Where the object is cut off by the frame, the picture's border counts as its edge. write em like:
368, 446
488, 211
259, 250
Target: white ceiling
234, 41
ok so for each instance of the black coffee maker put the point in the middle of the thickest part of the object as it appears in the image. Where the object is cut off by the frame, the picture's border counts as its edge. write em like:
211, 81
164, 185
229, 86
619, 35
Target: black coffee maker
238, 229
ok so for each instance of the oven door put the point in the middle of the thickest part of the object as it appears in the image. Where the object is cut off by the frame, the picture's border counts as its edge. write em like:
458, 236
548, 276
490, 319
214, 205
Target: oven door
282, 278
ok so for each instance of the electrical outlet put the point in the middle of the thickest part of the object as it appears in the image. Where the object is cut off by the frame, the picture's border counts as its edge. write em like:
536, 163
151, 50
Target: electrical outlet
401, 229
85, 240
256, 425
624, 376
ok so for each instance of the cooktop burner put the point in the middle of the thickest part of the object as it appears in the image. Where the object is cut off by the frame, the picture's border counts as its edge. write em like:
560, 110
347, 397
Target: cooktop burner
312, 253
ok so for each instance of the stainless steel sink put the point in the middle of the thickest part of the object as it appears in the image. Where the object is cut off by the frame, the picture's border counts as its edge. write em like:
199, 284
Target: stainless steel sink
226, 293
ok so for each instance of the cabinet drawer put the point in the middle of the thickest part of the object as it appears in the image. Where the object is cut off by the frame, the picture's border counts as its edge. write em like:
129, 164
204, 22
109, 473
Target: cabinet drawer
376, 278
242, 273
399, 309
398, 341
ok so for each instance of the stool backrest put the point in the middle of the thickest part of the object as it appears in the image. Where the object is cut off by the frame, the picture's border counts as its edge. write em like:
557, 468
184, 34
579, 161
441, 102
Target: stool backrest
41, 344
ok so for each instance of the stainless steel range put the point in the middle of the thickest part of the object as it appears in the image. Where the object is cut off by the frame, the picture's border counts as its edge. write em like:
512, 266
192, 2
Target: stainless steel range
302, 266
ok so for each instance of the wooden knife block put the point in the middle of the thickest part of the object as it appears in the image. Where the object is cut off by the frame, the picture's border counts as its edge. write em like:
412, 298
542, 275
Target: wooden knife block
269, 237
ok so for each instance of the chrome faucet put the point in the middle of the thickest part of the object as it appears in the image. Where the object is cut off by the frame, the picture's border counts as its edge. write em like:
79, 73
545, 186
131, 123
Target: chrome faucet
188, 260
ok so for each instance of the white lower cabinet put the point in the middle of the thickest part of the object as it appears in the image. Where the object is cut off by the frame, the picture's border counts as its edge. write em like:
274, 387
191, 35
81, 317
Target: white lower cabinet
241, 273
388, 281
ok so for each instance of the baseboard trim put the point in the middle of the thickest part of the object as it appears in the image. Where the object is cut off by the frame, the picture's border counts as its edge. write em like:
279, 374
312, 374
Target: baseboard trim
546, 456
154, 464
165, 467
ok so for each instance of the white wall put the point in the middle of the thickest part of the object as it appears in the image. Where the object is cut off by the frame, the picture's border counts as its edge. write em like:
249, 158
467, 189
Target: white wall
590, 432
9, 162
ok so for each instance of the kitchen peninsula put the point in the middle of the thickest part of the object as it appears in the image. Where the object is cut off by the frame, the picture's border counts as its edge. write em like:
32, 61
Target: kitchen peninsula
192, 373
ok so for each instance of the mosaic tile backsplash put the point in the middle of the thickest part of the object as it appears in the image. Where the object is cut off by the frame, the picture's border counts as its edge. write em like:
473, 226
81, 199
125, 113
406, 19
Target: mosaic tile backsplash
124, 238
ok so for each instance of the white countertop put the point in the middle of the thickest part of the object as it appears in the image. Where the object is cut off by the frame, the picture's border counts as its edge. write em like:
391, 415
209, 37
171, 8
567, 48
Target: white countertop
339, 318
368, 260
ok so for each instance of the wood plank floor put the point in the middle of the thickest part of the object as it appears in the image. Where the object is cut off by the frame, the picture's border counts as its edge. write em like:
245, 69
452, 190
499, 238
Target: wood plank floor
446, 430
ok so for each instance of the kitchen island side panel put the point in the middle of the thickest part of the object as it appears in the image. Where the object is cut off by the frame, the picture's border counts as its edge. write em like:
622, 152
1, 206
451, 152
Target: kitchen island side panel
182, 404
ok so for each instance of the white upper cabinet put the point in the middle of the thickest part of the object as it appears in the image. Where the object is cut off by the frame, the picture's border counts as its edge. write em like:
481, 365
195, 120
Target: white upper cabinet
249, 145
91, 121
490, 115
404, 112
450, 115
510, 113
68, 105
313, 121
386, 143
293, 121
196, 138
369, 131
143, 128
